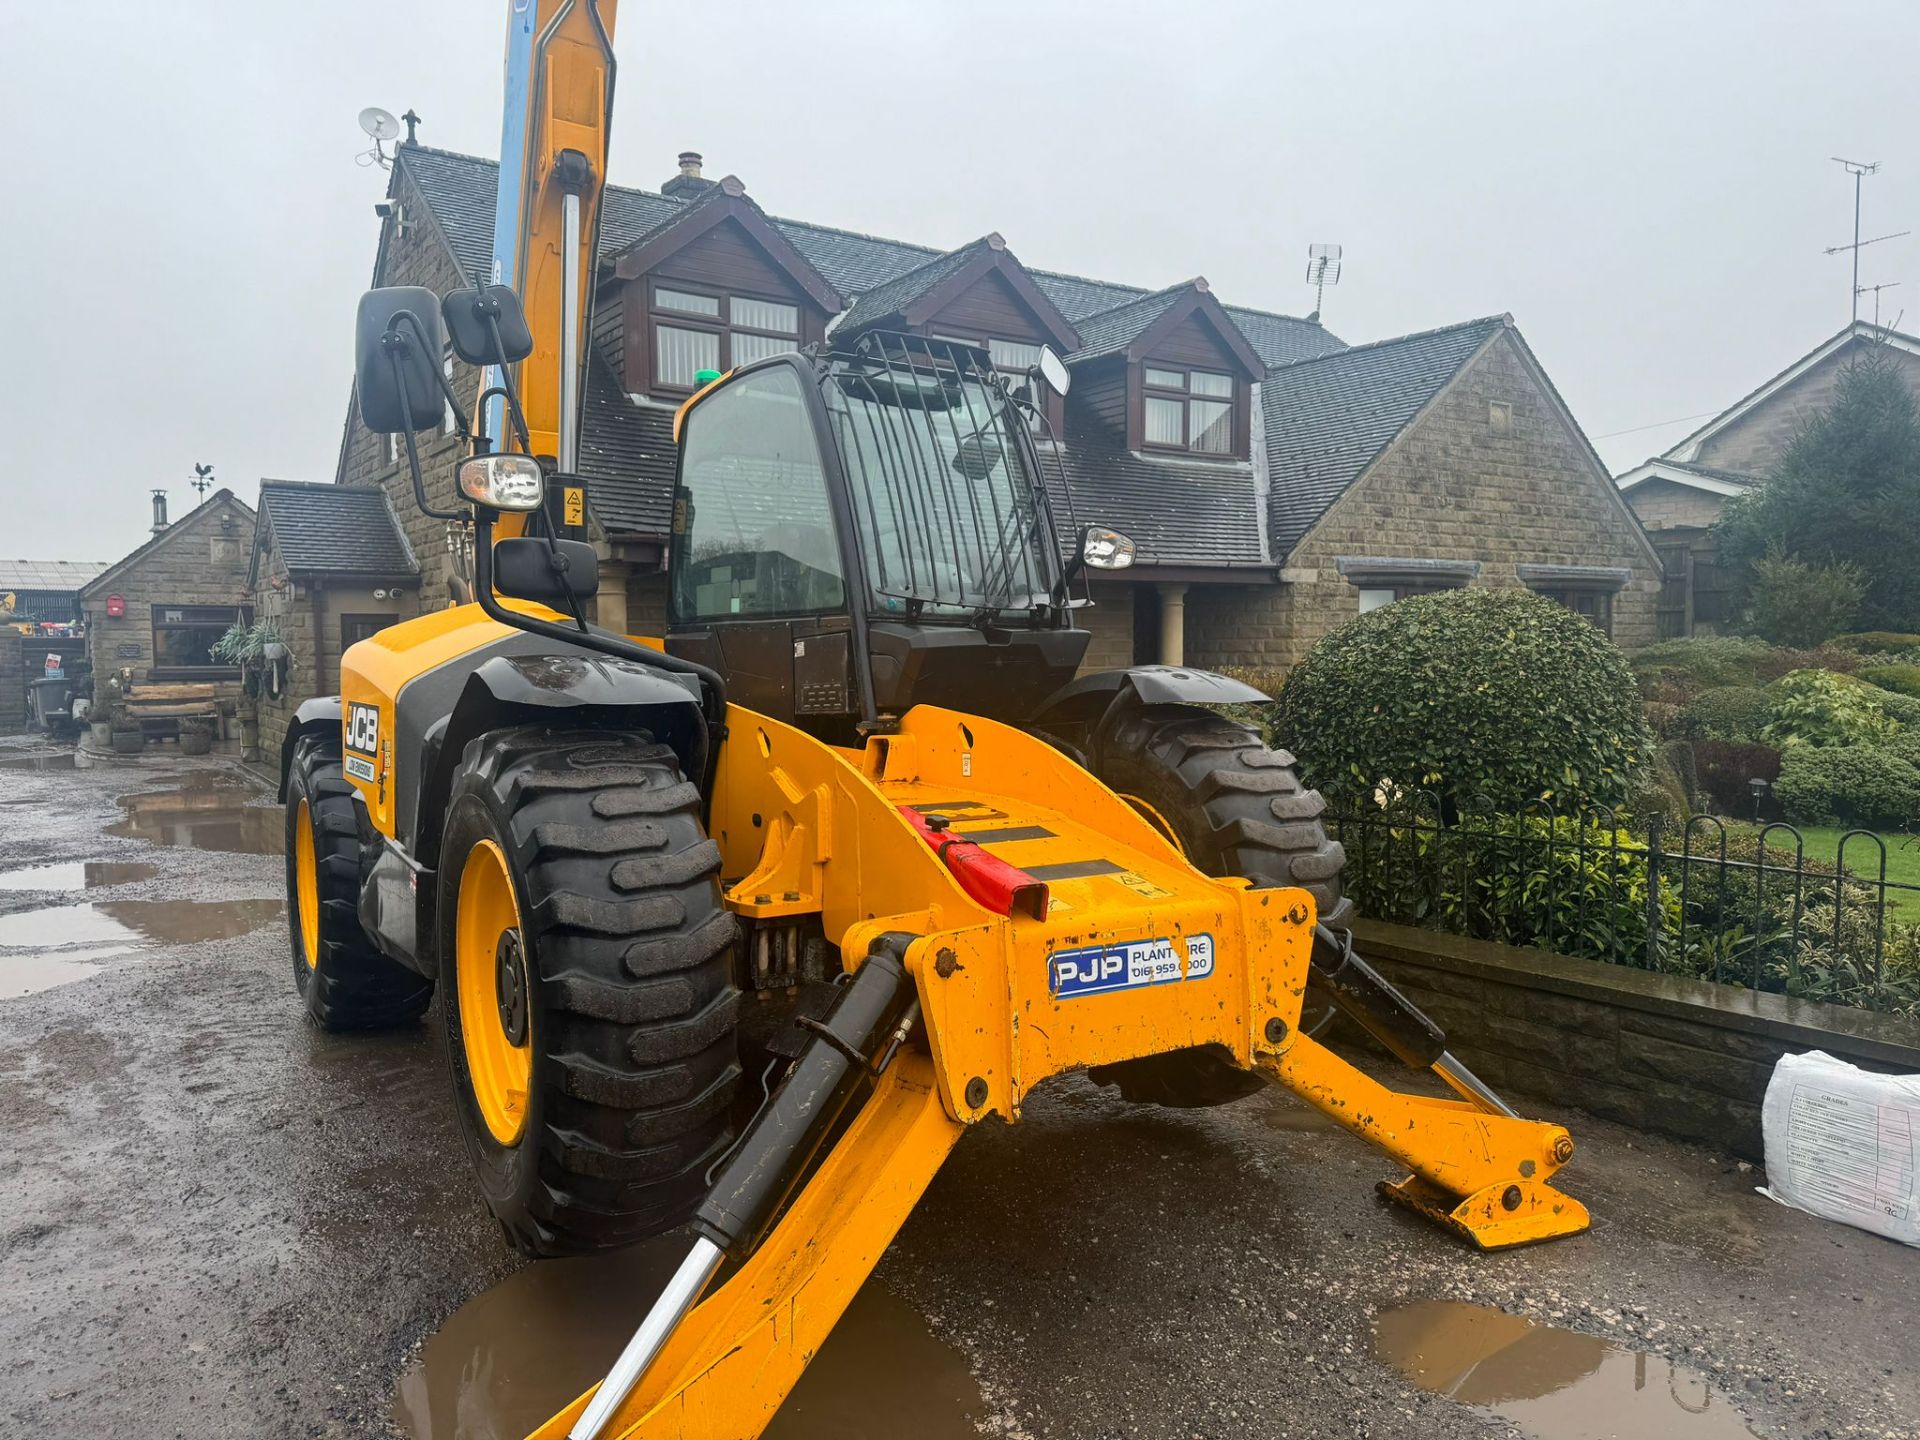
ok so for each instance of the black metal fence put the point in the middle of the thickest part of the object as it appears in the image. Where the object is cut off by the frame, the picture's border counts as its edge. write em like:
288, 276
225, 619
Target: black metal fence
1711, 898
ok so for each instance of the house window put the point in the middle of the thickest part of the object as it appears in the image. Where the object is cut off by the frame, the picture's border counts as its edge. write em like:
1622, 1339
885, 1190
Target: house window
184, 637
695, 330
1189, 410
1596, 605
1379, 596
355, 628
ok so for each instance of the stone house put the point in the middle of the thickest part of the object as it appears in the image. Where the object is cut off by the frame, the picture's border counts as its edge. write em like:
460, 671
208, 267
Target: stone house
330, 566
1678, 495
1272, 488
158, 611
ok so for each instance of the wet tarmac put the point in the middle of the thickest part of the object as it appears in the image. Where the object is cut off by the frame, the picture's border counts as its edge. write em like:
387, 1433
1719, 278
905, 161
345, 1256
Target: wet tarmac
216, 1222
510, 1358
1555, 1384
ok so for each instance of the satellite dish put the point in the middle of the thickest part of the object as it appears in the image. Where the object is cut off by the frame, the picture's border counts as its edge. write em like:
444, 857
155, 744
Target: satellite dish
379, 123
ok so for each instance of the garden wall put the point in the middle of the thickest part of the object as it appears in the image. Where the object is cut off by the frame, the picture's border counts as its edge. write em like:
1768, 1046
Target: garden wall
1685, 1058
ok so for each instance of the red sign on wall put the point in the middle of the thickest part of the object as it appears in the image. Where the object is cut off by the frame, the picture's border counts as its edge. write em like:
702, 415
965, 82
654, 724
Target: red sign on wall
116, 606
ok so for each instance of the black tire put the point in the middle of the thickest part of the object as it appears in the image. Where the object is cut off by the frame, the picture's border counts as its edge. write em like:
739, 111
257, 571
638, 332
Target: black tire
1236, 808
631, 1026
345, 983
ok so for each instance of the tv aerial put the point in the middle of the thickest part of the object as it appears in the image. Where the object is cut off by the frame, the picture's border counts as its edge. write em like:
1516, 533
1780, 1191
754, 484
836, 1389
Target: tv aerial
1323, 269
380, 126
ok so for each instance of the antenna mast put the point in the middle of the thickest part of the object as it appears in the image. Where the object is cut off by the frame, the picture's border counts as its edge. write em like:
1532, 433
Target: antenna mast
1323, 269
1859, 169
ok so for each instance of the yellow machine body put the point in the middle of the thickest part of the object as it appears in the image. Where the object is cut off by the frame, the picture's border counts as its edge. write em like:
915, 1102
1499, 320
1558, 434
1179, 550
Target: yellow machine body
812, 829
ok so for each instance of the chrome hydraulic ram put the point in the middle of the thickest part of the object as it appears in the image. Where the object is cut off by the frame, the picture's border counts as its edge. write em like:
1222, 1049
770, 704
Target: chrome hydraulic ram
868, 1022
1365, 997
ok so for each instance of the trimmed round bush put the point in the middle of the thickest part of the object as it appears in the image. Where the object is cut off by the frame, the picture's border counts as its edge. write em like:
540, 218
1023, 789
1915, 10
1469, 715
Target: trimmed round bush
1727, 712
1901, 679
1868, 785
1878, 642
1493, 696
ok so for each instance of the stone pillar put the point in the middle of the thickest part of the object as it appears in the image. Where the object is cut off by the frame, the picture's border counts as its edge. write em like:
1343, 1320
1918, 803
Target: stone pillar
1173, 624
610, 605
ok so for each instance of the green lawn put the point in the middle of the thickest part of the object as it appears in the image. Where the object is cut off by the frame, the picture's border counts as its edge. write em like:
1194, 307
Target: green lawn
1903, 860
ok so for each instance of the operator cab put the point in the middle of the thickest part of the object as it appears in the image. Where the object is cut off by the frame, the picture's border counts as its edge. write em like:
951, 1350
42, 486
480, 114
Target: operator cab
867, 529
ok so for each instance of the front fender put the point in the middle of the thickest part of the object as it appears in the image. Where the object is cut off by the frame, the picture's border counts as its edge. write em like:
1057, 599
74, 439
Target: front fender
322, 713
559, 689
1085, 699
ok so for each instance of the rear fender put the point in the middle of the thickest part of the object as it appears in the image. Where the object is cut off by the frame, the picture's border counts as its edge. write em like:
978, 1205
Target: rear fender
321, 715
571, 691
1085, 709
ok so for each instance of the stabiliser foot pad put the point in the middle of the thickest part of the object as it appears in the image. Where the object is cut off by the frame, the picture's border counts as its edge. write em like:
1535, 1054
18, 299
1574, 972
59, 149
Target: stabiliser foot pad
1498, 1217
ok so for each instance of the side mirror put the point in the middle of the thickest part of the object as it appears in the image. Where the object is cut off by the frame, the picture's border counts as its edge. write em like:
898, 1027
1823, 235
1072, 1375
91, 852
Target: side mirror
471, 316
397, 344
1053, 370
547, 571
1103, 549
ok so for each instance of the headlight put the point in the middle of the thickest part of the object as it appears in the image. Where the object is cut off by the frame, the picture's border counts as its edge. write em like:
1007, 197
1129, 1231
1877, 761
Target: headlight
503, 482
1106, 549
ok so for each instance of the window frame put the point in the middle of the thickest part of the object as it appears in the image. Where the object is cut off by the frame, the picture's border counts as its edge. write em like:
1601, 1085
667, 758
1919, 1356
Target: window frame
721, 325
1601, 596
362, 617
159, 672
1186, 396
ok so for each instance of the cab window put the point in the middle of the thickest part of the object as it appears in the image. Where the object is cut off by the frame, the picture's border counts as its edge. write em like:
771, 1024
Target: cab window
753, 528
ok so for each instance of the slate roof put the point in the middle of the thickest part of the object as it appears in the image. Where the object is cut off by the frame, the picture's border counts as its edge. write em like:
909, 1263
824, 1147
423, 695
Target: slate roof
627, 455
56, 575
1193, 513
322, 528
1732, 477
1328, 420
461, 188
1107, 331
890, 297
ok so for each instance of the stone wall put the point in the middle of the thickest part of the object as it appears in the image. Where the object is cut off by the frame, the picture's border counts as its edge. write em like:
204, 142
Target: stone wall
1110, 622
1753, 443
1664, 505
310, 618
201, 560
1682, 1057
1448, 489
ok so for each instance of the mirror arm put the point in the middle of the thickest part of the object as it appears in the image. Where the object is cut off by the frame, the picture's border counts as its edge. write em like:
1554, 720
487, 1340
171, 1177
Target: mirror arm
439, 374
515, 416
394, 343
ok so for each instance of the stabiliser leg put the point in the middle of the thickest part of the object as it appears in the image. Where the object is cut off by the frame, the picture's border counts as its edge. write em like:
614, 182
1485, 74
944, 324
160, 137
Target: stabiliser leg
723, 1366
1478, 1168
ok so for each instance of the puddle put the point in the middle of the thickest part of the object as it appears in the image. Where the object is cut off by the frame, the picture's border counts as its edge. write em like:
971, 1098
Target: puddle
77, 875
65, 760
64, 942
507, 1360
1552, 1383
207, 812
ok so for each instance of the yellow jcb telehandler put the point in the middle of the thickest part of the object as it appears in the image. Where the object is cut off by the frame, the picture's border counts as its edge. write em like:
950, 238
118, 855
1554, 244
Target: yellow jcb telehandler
853, 825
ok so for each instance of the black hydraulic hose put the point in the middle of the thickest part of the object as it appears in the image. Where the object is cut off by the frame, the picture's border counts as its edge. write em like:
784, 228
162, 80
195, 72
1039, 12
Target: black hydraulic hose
783, 1138
1365, 996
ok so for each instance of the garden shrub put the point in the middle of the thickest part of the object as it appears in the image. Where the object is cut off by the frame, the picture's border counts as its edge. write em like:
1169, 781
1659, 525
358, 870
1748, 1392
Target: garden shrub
1818, 707
1727, 712
1790, 602
1724, 772
1678, 670
1500, 696
1902, 678
1866, 785
1664, 720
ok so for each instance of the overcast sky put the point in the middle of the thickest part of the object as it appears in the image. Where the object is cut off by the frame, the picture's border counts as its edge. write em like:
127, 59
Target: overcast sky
1645, 188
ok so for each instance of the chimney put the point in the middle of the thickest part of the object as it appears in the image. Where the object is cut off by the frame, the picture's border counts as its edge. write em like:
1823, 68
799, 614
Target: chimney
689, 182
159, 511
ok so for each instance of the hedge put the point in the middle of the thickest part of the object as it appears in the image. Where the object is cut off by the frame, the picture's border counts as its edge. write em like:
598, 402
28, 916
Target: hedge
1865, 785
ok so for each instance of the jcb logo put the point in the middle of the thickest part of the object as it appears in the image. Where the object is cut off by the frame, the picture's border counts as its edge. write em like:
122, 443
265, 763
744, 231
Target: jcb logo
363, 729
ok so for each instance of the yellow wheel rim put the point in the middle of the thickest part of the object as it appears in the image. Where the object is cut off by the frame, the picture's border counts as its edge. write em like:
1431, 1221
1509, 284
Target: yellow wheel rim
1159, 822
306, 884
490, 972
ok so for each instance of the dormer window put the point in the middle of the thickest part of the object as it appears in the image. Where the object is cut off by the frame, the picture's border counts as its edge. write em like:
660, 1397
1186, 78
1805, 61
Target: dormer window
695, 330
1188, 410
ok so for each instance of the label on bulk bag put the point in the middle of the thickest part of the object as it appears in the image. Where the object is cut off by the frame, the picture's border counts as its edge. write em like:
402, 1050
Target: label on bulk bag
1844, 1143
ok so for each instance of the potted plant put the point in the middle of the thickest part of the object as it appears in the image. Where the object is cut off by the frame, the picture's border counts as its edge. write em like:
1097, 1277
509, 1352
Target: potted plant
196, 737
261, 653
